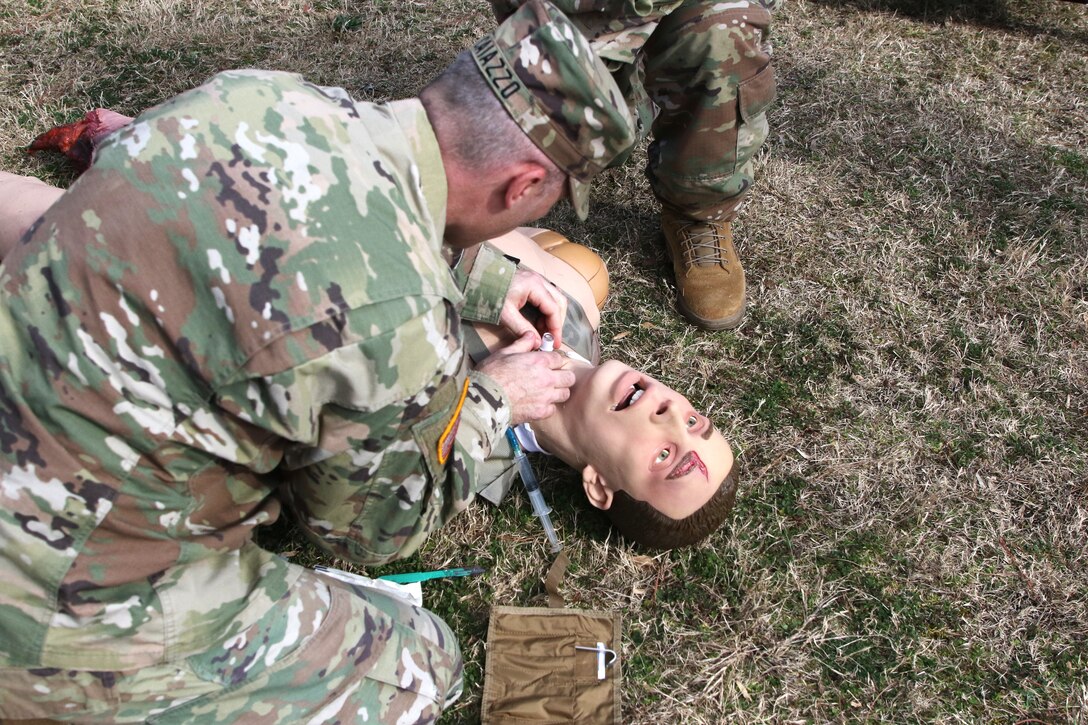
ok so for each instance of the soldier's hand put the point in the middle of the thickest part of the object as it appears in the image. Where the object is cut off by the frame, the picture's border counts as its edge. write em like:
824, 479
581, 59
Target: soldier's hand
532, 381
528, 287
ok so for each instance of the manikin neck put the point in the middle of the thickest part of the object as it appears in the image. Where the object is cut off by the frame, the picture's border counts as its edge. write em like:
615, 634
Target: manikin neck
554, 432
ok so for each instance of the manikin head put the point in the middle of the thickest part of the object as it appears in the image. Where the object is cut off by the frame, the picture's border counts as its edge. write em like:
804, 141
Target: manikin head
659, 468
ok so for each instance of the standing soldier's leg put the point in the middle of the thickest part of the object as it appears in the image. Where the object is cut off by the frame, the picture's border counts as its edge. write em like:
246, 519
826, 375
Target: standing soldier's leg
708, 69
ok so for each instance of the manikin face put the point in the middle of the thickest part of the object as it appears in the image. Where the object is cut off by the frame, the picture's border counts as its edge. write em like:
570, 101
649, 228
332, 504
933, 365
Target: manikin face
640, 436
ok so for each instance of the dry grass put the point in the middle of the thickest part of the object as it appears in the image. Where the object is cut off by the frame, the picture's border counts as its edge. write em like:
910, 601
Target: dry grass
908, 394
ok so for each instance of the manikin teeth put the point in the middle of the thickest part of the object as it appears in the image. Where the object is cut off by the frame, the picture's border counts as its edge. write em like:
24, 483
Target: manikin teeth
636, 393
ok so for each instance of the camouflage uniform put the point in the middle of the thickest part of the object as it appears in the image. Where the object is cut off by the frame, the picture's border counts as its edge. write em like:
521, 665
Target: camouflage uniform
704, 67
245, 300
199, 310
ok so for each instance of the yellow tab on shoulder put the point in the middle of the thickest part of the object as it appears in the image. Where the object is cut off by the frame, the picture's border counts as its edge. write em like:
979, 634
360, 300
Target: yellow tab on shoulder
449, 435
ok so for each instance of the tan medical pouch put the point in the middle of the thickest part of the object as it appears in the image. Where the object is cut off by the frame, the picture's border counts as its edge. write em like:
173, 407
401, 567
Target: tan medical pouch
535, 673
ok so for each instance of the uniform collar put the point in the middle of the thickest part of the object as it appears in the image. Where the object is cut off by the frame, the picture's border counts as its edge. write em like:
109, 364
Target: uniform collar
412, 118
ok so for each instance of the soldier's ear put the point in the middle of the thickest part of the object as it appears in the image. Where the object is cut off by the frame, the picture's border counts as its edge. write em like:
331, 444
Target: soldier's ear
597, 489
526, 182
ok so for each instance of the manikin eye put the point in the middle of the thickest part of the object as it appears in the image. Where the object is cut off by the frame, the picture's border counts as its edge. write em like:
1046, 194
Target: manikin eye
693, 420
663, 455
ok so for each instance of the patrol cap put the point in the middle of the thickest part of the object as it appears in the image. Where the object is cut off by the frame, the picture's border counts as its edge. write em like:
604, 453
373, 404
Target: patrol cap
558, 91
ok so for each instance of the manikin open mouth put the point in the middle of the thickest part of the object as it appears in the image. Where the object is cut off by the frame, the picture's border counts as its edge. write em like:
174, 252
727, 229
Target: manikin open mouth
636, 393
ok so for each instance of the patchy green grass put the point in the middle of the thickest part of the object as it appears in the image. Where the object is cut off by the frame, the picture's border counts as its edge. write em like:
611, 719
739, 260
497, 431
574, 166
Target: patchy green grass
907, 396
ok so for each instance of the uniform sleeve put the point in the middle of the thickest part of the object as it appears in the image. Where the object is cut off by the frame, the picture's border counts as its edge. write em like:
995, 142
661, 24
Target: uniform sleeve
486, 284
372, 505
384, 437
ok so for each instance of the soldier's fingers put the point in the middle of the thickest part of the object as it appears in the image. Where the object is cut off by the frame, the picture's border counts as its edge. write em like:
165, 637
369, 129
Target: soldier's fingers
525, 342
553, 308
555, 322
514, 321
564, 378
556, 361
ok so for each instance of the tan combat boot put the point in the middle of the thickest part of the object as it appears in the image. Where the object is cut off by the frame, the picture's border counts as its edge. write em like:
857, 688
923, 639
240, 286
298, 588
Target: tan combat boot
709, 278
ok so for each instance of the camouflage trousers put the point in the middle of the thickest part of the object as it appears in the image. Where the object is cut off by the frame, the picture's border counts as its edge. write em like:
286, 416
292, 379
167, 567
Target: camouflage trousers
698, 78
327, 652
706, 71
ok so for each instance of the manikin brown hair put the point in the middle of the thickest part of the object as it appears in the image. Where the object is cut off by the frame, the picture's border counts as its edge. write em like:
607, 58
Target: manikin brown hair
642, 523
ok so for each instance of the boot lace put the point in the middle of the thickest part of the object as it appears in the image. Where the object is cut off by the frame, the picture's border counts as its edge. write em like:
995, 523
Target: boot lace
702, 243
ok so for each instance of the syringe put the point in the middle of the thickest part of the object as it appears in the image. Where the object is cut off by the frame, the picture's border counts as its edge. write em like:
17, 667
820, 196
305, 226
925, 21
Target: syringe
532, 487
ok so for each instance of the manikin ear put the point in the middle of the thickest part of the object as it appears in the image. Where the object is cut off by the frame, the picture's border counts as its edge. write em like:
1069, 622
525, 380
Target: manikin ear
597, 489
526, 184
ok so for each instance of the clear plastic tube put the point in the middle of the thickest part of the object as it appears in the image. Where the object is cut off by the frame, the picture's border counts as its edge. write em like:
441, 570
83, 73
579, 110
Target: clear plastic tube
532, 487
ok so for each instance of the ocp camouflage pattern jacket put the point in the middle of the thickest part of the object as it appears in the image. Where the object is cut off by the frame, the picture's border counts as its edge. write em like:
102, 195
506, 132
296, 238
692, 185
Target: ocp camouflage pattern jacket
244, 301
